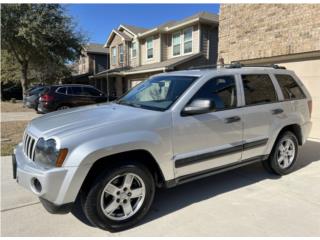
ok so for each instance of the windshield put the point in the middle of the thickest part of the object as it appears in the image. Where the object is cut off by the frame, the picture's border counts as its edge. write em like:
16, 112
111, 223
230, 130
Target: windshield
157, 93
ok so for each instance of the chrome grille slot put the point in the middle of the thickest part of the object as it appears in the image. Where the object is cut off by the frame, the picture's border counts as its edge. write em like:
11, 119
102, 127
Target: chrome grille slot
29, 144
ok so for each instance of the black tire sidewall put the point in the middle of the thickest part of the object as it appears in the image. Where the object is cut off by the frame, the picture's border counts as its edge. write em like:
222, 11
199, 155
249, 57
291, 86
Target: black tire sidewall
273, 160
92, 206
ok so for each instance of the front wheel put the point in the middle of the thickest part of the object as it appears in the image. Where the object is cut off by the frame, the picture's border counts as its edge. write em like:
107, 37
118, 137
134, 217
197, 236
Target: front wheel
283, 155
120, 197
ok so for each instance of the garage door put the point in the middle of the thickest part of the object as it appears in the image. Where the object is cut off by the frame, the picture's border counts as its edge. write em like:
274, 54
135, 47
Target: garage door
309, 73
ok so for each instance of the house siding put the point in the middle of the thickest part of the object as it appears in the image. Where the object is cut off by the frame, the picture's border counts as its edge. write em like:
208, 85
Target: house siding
117, 40
156, 50
209, 42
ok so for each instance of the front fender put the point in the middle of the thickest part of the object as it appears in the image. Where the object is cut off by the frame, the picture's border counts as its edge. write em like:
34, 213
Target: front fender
95, 149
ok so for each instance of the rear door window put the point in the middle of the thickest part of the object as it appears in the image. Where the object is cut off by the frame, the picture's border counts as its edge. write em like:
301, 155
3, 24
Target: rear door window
89, 91
62, 90
258, 89
289, 87
75, 91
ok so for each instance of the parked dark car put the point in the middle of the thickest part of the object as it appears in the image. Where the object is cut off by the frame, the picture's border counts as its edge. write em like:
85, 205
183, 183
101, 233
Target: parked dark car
12, 92
60, 97
31, 98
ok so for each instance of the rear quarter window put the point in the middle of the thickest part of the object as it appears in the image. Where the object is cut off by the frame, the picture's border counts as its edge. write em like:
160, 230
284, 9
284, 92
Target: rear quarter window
289, 87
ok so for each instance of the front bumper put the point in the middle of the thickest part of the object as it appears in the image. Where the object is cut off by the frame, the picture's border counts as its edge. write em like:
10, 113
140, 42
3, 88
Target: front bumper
44, 183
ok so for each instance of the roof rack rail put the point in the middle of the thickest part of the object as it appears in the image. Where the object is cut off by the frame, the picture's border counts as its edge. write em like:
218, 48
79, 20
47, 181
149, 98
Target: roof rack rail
239, 65
235, 65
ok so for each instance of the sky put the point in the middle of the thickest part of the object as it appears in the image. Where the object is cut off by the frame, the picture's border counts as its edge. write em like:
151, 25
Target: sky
98, 20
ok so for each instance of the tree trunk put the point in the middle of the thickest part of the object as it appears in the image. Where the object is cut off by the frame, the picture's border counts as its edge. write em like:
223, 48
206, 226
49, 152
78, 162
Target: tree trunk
24, 77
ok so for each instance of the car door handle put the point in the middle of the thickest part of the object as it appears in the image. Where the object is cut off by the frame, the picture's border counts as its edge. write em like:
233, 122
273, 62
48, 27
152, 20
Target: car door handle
277, 111
232, 119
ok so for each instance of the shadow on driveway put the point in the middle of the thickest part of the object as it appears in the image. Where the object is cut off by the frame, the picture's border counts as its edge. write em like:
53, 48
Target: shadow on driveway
170, 200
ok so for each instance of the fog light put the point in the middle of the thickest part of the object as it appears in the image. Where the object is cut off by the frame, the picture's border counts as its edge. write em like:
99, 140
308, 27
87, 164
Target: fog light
36, 185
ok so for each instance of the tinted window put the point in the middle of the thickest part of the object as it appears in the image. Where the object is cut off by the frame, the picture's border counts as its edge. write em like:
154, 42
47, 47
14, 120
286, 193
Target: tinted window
62, 90
258, 89
289, 87
221, 91
75, 90
88, 91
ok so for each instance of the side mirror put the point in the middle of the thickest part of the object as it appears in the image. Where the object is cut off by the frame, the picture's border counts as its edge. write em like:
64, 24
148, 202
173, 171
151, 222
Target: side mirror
198, 106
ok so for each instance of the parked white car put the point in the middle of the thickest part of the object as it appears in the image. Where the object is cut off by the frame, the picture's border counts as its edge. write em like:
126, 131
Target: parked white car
108, 159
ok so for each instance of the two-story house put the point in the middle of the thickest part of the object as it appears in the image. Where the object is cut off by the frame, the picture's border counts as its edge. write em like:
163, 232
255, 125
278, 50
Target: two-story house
94, 59
137, 53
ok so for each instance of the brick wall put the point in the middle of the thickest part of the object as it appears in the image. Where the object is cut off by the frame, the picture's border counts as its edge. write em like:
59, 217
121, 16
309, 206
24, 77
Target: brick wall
250, 31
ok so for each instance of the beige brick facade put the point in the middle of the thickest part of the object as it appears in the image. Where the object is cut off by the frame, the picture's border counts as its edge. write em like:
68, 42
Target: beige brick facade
253, 31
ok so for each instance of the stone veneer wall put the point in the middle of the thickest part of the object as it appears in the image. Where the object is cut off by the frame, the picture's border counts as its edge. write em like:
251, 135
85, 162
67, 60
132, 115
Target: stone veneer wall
253, 31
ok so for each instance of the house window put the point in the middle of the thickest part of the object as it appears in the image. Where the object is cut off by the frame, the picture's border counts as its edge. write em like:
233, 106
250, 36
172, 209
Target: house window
114, 55
149, 48
176, 43
121, 53
134, 50
187, 40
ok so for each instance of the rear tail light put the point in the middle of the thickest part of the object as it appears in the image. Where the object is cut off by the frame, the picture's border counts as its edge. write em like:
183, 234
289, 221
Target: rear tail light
310, 107
46, 98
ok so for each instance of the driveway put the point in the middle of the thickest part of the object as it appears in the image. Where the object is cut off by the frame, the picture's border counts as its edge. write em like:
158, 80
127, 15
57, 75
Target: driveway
243, 202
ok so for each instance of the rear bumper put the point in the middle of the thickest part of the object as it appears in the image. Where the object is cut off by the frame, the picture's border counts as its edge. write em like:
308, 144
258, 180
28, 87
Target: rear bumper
45, 108
306, 129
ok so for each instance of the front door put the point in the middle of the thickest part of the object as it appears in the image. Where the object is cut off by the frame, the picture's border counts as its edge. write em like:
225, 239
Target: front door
207, 141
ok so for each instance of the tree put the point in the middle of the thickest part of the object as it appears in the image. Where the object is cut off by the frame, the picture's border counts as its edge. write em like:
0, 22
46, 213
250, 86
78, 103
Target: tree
39, 35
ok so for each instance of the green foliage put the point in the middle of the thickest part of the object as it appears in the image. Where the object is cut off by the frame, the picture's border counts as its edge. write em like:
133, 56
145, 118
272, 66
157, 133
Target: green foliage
41, 38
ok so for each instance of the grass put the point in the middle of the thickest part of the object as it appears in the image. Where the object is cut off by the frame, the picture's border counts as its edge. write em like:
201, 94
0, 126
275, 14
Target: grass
14, 107
11, 135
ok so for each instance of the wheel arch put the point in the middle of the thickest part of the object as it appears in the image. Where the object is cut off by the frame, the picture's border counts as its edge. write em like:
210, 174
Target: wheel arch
295, 129
139, 156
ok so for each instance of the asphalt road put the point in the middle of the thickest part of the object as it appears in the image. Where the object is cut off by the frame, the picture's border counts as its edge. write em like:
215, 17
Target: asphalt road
243, 202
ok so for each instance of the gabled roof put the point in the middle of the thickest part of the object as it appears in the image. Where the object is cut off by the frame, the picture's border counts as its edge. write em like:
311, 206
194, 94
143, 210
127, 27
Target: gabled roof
171, 25
133, 29
95, 48
120, 34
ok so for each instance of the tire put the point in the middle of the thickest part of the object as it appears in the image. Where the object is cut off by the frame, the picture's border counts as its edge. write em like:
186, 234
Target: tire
78, 209
280, 161
118, 201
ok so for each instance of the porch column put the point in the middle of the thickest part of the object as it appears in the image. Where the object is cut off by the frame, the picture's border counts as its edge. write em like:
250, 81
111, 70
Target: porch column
119, 90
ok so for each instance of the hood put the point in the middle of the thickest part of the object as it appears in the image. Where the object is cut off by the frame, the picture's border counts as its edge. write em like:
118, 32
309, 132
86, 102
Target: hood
84, 118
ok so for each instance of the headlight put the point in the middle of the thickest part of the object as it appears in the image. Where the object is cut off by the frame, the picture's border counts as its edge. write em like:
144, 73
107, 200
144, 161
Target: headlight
47, 153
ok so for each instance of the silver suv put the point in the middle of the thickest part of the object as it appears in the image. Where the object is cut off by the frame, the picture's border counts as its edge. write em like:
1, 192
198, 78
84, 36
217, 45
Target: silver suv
107, 160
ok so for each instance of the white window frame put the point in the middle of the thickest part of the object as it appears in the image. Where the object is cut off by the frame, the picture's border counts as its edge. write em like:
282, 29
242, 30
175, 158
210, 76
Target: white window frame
114, 57
152, 39
186, 29
134, 42
175, 33
119, 47
182, 42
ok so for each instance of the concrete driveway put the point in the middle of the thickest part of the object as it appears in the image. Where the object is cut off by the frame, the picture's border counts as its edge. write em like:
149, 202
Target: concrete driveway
243, 202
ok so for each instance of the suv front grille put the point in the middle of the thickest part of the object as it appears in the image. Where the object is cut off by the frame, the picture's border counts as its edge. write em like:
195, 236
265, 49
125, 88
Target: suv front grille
29, 144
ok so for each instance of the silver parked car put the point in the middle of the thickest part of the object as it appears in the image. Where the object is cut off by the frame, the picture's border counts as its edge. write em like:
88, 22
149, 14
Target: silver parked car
108, 159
